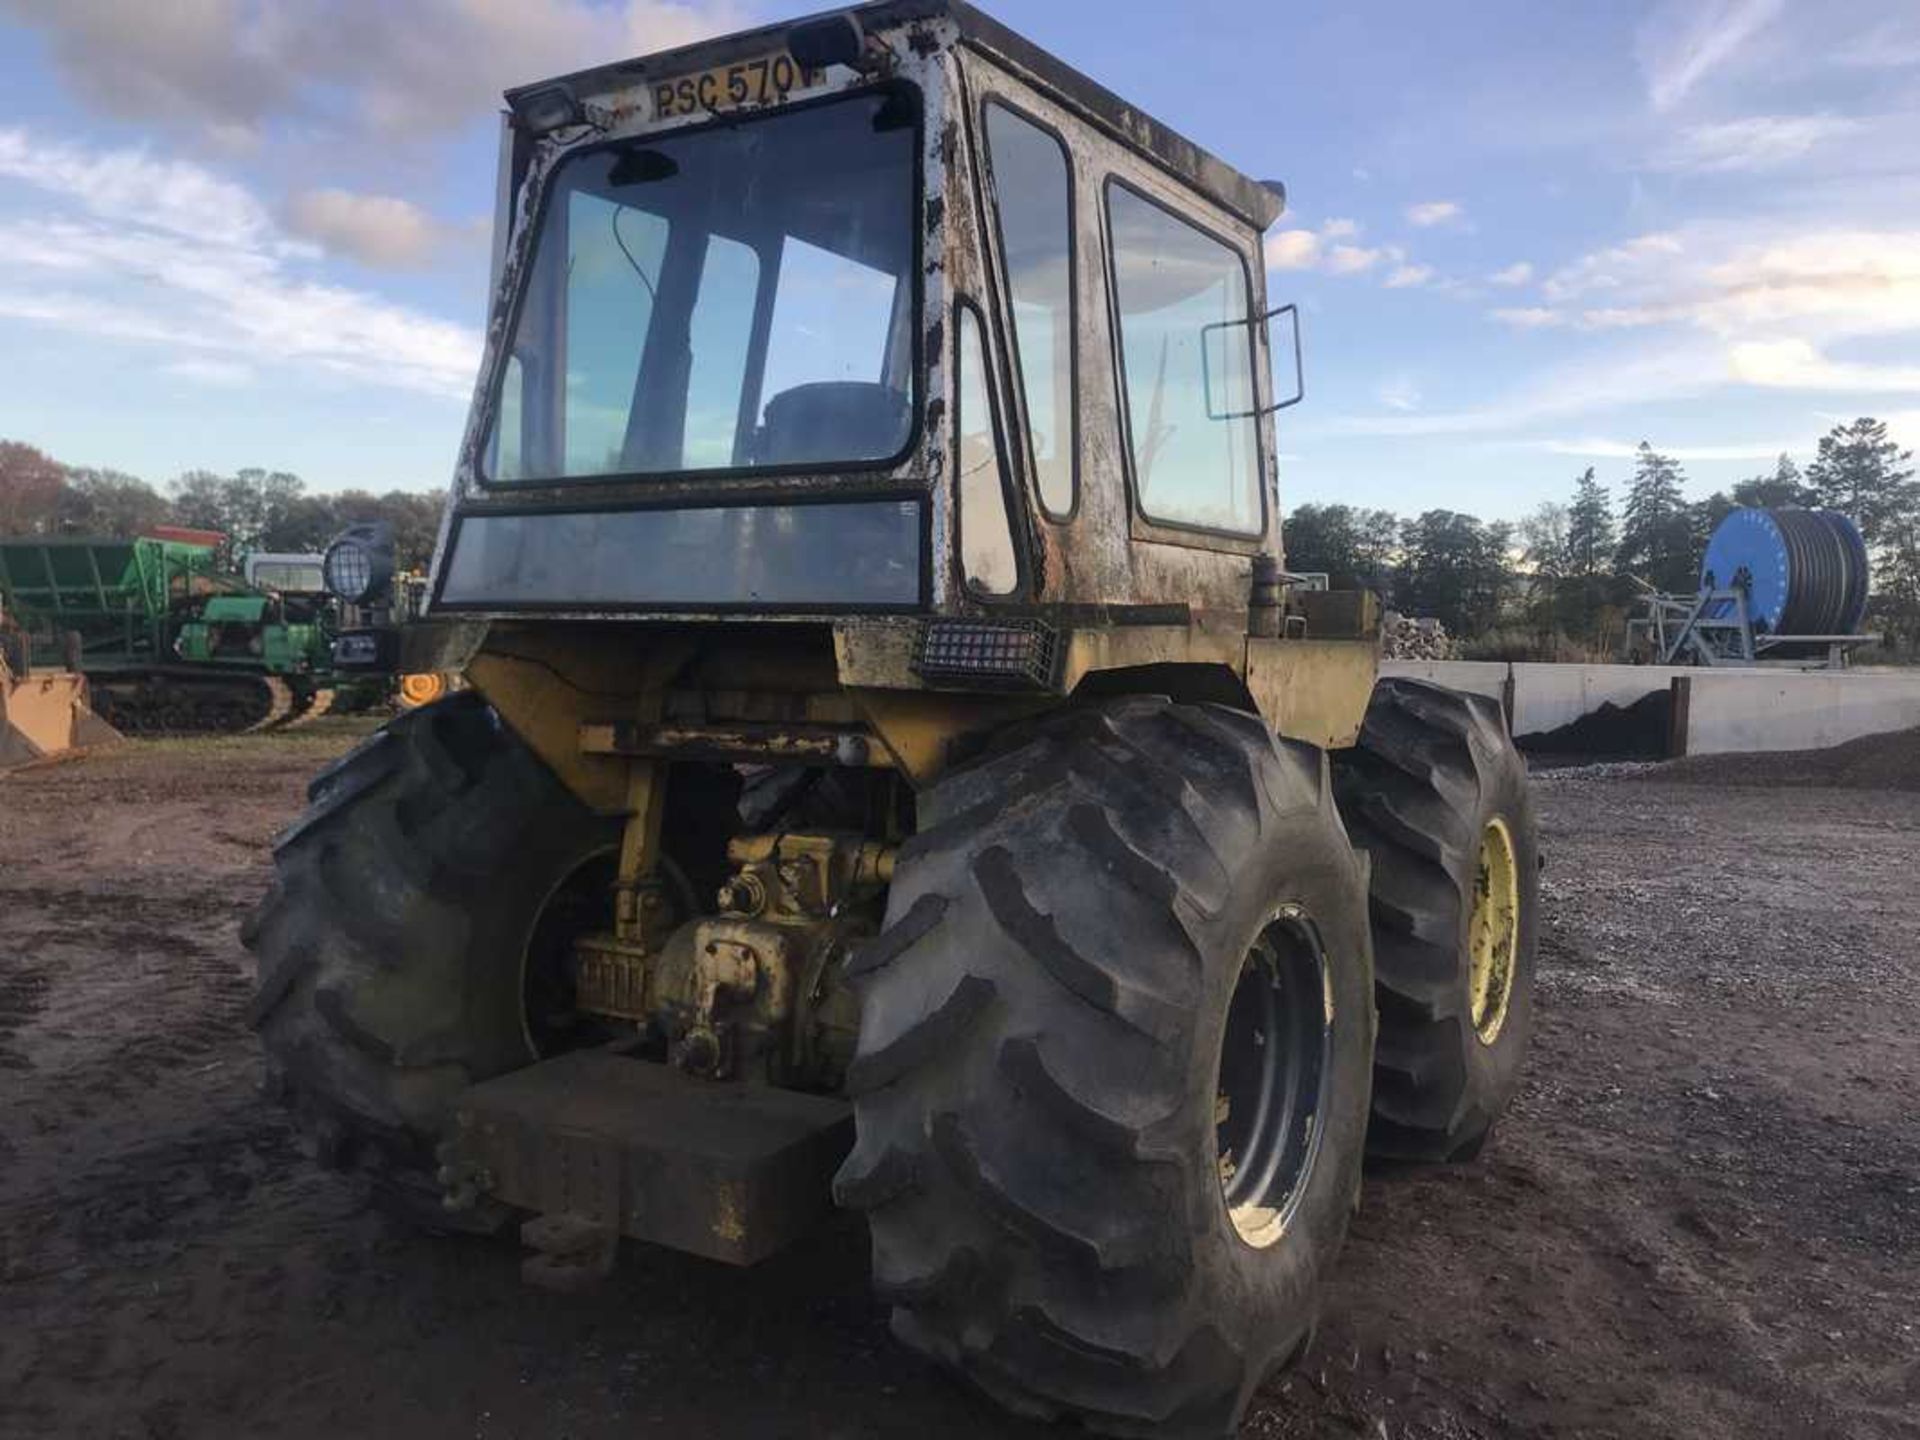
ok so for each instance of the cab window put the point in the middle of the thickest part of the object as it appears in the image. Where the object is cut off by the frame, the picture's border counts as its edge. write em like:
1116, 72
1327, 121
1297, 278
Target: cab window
736, 297
1031, 189
986, 528
1181, 298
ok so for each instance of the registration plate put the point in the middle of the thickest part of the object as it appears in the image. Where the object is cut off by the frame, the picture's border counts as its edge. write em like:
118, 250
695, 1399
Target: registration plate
765, 81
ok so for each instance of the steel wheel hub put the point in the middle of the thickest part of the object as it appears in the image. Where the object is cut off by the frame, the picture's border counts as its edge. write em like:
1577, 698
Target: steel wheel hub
1493, 930
1274, 1057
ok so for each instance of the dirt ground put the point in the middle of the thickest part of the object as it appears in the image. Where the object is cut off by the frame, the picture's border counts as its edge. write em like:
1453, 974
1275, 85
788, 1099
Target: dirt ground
1702, 1218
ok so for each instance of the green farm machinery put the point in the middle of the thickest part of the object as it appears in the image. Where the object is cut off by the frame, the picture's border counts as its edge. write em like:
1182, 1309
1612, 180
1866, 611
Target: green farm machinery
169, 640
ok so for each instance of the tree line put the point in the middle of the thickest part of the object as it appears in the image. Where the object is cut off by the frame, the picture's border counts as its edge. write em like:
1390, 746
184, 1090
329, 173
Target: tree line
1561, 583
1557, 584
257, 510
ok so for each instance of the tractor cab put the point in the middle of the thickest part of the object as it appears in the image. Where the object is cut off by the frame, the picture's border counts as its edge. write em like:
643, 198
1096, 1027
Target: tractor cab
886, 311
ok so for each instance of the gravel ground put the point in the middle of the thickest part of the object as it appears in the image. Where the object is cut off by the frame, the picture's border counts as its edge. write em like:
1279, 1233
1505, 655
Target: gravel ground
1702, 1218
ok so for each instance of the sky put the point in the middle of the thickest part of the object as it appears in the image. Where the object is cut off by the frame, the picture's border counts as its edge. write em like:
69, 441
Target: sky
1523, 237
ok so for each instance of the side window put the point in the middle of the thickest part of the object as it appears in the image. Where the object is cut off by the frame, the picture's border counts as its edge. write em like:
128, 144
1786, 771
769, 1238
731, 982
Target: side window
986, 529
1032, 189
1175, 289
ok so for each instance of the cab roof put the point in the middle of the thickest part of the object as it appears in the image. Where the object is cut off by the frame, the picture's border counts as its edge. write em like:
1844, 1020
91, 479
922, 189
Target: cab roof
1257, 203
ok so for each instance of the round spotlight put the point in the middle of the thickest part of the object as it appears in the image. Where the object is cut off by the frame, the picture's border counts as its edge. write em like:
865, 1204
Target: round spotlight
348, 570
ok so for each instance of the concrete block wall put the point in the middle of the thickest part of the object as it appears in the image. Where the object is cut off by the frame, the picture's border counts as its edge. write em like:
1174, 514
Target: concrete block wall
1714, 711
1719, 712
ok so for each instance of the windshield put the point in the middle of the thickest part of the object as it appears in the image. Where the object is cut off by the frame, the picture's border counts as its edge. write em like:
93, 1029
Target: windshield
736, 298
290, 576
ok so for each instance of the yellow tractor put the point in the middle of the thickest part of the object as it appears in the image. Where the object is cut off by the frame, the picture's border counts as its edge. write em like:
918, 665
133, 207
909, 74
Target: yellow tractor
897, 770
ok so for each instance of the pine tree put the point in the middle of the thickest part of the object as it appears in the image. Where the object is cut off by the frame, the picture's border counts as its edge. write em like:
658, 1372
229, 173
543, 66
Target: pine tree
1590, 532
1896, 601
1864, 474
1656, 532
1785, 487
1591, 541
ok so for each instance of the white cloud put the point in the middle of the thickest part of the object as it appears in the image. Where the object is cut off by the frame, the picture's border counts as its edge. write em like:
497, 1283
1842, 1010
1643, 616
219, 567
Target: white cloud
1903, 425
1758, 142
167, 195
1529, 317
1599, 270
1292, 250
1403, 277
1666, 371
1622, 317
1331, 248
230, 68
1399, 392
1805, 290
232, 291
1518, 273
1434, 212
1724, 307
378, 230
1600, 449
1890, 45
1684, 41
225, 373
1352, 259
1821, 284
1797, 365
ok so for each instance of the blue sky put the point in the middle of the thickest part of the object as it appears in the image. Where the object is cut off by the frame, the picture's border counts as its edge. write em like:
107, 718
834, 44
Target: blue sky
1524, 236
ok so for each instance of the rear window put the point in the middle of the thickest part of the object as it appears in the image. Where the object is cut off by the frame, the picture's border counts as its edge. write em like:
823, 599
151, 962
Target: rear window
738, 297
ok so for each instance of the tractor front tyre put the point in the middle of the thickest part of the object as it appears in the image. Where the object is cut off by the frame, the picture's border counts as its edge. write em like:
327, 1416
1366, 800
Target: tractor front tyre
1437, 796
1111, 1088
401, 948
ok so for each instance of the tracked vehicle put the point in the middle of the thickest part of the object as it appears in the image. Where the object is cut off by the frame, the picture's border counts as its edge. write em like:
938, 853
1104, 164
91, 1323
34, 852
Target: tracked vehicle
169, 640
897, 770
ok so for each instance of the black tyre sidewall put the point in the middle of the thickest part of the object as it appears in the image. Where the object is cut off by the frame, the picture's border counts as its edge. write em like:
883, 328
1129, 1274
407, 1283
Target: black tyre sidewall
1431, 769
391, 951
1041, 1031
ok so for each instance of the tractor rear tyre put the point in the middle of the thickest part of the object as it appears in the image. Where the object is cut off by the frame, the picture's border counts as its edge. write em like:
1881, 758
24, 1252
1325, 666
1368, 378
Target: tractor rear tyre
401, 946
1437, 796
1111, 1088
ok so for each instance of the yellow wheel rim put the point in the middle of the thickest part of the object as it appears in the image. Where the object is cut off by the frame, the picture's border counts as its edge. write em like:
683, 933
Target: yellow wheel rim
422, 689
1493, 932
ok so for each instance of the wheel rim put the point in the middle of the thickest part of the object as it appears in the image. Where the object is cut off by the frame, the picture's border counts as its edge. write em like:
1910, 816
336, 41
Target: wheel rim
1493, 931
1274, 1057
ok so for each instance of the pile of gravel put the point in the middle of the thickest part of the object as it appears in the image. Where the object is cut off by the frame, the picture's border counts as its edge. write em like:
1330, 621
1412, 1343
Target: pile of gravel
1873, 762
